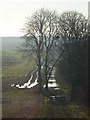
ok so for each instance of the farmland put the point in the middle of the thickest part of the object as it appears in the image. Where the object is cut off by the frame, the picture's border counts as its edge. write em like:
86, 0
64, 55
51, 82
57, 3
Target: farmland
14, 68
28, 103
14, 65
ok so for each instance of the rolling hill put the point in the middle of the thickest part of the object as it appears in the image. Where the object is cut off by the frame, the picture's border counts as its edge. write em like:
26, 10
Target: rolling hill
11, 43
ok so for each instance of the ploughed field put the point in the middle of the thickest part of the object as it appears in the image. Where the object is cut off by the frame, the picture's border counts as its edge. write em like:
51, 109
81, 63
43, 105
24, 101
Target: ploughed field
29, 103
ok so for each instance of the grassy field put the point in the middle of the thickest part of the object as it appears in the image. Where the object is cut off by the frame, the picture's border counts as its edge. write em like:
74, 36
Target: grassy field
14, 65
29, 103
15, 69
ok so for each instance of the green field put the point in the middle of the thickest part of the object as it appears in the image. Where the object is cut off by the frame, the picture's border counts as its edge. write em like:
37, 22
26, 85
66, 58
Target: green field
15, 70
14, 65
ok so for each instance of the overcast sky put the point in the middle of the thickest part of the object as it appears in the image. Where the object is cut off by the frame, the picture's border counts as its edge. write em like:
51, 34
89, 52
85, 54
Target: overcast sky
14, 12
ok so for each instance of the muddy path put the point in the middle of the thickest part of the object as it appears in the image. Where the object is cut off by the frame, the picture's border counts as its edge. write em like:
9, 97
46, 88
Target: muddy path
20, 103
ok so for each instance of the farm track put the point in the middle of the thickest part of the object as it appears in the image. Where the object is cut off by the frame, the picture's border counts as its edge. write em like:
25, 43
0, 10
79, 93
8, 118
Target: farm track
21, 104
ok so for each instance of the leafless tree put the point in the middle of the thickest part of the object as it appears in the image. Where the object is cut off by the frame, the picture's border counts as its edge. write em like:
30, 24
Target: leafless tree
42, 38
33, 34
73, 27
53, 51
73, 30
74, 34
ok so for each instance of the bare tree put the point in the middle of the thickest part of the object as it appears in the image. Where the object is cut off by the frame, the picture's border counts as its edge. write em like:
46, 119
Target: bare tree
40, 35
42, 38
73, 29
50, 40
74, 34
33, 34
53, 52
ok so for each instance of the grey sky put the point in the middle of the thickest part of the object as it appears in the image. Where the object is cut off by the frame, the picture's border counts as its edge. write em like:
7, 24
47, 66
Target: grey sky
14, 12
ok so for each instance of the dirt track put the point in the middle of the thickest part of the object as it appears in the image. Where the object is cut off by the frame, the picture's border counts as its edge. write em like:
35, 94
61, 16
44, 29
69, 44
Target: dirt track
20, 104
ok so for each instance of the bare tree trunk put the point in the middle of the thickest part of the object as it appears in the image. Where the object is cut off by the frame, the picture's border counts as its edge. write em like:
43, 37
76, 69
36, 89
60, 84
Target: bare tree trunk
39, 72
46, 71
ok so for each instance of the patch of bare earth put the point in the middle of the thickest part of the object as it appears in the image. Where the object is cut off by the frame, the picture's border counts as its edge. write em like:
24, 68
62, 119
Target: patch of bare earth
21, 106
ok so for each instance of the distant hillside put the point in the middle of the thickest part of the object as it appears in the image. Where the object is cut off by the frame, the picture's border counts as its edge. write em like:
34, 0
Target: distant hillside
11, 43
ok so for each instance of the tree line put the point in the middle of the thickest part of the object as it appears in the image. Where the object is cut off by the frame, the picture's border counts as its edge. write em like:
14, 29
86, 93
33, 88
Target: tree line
61, 41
